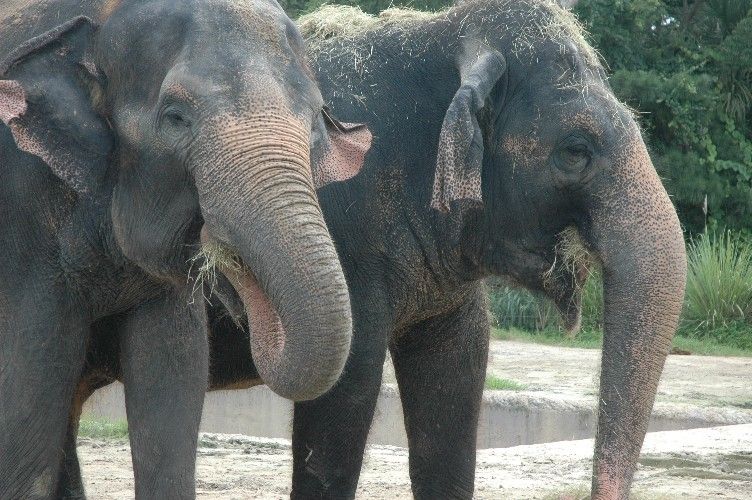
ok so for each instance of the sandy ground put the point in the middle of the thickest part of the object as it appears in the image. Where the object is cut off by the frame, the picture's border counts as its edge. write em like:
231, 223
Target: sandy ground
697, 464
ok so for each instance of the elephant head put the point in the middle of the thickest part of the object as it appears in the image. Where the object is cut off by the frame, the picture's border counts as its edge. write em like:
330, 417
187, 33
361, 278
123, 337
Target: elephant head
200, 118
548, 173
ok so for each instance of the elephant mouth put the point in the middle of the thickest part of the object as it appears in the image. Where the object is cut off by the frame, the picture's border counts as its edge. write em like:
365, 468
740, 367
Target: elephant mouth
263, 319
564, 281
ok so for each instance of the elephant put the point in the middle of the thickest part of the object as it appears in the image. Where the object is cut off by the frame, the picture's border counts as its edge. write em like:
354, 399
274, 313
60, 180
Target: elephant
143, 146
499, 149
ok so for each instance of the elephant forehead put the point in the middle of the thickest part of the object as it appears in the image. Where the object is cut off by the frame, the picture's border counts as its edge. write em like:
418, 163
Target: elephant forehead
523, 146
257, 21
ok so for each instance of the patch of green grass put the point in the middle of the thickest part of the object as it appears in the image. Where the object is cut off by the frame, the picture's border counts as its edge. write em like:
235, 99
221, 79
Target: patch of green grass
502, 384
588, 339
512, 307
102, 429
592, 339
710, 347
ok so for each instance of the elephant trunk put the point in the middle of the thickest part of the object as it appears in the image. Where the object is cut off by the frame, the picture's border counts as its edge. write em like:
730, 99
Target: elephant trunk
636, 234
260, 202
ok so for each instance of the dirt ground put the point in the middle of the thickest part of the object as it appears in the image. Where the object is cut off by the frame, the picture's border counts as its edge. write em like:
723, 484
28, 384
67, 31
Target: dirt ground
695, 464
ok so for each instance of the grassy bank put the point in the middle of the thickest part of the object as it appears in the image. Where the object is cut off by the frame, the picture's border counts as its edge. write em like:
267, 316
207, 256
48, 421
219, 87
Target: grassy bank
591, 339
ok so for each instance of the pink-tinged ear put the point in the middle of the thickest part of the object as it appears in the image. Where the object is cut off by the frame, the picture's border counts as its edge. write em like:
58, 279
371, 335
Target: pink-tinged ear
342, 153
12, 100
46, 100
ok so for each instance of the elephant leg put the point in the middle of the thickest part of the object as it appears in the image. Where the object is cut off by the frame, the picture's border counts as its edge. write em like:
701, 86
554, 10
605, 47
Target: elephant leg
70, 484
164, 358
40, 361
440, 366
330, 432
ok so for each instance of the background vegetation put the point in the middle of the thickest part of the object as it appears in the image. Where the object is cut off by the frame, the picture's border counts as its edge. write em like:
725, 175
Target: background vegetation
686, 67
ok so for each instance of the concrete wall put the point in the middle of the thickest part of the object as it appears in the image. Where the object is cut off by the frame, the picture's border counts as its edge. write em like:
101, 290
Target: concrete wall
507, 418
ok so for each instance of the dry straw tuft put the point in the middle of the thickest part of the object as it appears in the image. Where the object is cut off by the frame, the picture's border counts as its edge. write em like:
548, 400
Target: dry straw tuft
572, 249
573, 255
547, 20
346, 23
541, 20
211, 258
330, 21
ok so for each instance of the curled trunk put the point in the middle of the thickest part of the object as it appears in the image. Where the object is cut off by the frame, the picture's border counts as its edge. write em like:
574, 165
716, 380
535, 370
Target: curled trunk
260, 201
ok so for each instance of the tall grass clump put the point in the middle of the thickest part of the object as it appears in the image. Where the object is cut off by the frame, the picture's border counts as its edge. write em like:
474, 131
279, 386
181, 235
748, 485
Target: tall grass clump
718, 300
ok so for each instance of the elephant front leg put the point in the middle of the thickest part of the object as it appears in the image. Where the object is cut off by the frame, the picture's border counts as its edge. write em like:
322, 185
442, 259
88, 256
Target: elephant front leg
164, 355
41, 356
329, 433
440, 367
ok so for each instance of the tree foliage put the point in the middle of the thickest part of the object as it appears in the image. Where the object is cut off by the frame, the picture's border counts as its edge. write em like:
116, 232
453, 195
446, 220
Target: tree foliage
686, 67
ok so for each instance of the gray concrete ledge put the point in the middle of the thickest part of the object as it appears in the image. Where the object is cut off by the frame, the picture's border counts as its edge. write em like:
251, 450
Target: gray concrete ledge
507, 418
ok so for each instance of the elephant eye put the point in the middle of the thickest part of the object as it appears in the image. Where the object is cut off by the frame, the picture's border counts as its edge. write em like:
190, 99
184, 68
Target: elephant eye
574, 154
175, 119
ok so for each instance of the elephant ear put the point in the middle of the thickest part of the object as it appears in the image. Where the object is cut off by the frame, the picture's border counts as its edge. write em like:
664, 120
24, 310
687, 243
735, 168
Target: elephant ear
459, 158
47, 89
338, 152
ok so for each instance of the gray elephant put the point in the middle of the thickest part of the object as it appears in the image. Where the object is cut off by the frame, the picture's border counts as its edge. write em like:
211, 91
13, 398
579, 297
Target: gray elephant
499, 149
137, 137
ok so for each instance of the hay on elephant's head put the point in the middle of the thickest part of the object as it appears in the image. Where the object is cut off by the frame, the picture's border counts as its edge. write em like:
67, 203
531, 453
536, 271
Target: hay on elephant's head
547, 20
536, 21
345, 22
330, 21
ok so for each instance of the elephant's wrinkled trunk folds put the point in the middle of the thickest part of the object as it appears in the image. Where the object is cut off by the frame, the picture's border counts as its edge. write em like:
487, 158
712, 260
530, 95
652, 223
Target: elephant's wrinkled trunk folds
258, 198
636, 234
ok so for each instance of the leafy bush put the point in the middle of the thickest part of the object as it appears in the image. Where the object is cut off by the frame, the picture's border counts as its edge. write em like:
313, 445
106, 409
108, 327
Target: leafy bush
687, 69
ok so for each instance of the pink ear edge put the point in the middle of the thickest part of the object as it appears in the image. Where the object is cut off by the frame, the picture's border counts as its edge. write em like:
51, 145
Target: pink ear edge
12, 100
346, 154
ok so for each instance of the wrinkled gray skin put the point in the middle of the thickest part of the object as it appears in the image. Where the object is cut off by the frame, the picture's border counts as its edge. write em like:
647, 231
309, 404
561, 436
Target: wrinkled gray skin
128, 136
